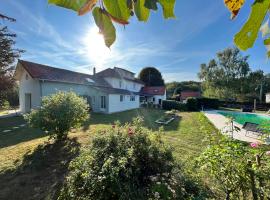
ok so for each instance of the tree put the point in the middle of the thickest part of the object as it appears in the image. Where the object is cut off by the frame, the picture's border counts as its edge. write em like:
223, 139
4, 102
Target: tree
119, 11
59, 113
225, 77
151, 77
174, 88
8, 55
105, 12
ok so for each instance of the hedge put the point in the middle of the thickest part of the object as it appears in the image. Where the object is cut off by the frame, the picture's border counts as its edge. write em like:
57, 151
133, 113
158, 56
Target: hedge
208, 103
171, 104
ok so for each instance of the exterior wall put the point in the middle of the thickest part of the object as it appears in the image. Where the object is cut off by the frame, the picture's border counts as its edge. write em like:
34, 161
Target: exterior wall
125, 84
28, 86
267, 98
116, 105
48, 87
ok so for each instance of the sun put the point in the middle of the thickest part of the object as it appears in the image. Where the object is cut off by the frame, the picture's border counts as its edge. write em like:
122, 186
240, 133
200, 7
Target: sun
95, 48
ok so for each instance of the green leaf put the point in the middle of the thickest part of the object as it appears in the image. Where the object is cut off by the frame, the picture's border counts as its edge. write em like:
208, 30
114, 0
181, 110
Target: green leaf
266, 41
249, 32
105, 26
151, 4
69, 4
118, 9
141, 12
168, 8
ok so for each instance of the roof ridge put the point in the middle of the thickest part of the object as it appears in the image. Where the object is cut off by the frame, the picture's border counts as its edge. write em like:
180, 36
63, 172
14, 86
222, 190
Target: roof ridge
53, 67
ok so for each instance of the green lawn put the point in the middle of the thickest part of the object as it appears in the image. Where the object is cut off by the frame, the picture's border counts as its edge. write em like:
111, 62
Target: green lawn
33, 168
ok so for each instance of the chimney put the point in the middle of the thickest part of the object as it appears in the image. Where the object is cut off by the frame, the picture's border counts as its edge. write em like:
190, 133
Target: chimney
94, 71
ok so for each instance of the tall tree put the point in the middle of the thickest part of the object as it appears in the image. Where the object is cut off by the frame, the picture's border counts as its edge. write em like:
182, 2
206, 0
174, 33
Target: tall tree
8, 55
225, 76
151, 77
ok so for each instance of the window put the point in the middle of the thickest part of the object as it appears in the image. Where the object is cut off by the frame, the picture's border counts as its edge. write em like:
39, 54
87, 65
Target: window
94, 99
154, 99
134, 85
120, 84
132, 98
26, 77
121, 98
103, 102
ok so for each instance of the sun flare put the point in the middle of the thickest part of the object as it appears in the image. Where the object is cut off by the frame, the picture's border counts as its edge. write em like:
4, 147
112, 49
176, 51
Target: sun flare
95, 47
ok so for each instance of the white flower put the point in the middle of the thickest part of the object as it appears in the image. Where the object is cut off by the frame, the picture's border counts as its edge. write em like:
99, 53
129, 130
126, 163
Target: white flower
157, 195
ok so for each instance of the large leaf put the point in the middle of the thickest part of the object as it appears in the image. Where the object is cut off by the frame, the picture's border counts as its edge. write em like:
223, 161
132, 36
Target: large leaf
118, 9
141, 11
249, 32
70, 4
151, 4
105, 25
168, 8
234, 6
88, 6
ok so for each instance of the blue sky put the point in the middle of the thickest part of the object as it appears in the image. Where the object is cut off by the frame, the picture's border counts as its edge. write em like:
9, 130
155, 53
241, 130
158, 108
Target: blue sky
58, 37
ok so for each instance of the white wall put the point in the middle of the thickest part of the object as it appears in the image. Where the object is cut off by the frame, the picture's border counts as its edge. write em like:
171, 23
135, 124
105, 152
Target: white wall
48, 87
31, 86
116, 105
267, 98
126, 85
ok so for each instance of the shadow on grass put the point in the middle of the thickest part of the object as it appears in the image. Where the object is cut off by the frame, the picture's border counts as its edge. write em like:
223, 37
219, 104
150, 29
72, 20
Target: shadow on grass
41, 173
18, 131
149, 115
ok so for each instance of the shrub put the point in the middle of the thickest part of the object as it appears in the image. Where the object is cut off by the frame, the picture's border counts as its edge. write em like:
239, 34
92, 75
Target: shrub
6, 105
208, 103
124, 162
170, 104
59, 113
192, 104
237, 169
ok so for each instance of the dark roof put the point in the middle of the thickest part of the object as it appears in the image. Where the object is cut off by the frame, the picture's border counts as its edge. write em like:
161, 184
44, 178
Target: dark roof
124, 70
153, 90
113, 73
44, 72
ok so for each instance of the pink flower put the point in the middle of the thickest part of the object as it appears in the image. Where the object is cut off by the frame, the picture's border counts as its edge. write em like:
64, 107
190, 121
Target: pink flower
255, 144
267, 153
130, 131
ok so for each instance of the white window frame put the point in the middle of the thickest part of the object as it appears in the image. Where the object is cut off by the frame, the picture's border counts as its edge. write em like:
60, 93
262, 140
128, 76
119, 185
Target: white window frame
122, 98
132, 97
103, 102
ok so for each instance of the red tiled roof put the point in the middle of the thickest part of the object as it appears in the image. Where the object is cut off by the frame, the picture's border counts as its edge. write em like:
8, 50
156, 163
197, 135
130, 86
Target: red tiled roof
187, 94
154, 90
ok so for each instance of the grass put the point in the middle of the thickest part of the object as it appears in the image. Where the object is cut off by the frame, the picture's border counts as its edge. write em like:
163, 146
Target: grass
33, 168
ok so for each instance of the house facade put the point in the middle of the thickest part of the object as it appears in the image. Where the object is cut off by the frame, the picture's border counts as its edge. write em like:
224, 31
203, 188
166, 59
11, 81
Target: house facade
108, 91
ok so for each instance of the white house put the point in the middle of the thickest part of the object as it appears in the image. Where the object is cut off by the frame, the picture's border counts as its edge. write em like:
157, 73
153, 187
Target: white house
108, 91
267, 97
153, 94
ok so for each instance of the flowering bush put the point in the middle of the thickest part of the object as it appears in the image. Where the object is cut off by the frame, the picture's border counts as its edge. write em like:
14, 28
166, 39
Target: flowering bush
59, 113
238, 169
124, 162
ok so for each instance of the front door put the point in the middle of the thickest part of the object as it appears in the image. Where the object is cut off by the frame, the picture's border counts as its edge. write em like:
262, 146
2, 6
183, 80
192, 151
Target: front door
28, 102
